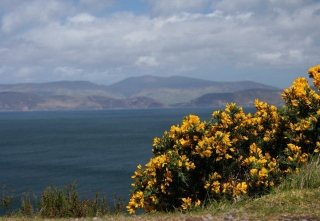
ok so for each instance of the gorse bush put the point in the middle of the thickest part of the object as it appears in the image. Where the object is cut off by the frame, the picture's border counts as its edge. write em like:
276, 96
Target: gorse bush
233, 154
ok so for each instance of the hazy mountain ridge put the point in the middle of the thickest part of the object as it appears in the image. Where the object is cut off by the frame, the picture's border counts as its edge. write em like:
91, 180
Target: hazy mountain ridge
243, 98
69, 88
178, 89
135, 92
17, 101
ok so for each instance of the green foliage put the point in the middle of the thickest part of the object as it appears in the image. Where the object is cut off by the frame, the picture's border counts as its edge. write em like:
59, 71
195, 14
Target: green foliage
233, 154
6, 200
307, 178
27, 207
59, 203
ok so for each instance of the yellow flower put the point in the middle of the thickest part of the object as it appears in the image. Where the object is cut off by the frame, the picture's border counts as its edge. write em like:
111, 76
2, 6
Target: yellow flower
294, 148
272, 164
136, 174
136, 201
207, 185
156, 141
287, 171
239, 188
263, 173
200, 126
193, 119
216, 113
255, 150
206, 153
184, 142
226, 187
225, 139
174, 130
131, 208
186, 203
168, 175
197, 203
249, 161
215, 176
229, 107
262, 160
163, 188
253, 172
242, 187
294, 103
189, 165
215, 187
303, 158
314, 73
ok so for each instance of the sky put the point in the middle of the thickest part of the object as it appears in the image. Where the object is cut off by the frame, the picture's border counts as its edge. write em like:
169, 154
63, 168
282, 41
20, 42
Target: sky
105, 41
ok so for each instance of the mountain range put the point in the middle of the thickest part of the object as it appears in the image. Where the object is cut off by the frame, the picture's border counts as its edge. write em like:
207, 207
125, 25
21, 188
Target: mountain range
135, 92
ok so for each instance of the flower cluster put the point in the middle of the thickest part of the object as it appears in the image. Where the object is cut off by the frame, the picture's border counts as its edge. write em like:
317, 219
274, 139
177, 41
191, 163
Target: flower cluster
233, 154
314, 73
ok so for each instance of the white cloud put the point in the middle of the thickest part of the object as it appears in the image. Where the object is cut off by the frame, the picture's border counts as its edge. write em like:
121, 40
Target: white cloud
82, 17
30, 13
272, 58
67, 72
147, 60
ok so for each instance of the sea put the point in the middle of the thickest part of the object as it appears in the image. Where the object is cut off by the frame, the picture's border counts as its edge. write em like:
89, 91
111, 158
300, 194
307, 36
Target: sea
98, 149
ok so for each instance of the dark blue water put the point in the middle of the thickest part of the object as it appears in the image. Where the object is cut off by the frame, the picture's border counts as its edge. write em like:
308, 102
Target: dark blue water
97, 149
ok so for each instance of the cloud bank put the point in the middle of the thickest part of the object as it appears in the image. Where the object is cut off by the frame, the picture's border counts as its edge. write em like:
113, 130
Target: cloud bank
270, 41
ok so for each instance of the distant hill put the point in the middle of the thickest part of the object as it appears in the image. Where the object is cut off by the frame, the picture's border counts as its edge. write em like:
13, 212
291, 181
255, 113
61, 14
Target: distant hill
135, 92
241, 98
178, 89
68, 88
17, 101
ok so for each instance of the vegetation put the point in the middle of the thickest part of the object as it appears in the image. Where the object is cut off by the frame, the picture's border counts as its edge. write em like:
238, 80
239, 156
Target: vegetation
296, 198
57, 203
233, 154
222, 168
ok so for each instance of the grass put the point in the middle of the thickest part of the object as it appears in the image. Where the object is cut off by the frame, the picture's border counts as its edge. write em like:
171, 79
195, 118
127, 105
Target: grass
297, 198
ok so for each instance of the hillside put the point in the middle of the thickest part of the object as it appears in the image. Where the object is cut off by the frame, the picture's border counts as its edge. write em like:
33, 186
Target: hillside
241, 98
68, 88
177, 89
17, 101
167, 90
135, 92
